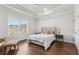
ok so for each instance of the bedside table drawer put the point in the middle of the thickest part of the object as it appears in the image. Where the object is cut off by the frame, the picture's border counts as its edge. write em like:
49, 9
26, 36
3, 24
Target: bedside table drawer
59, 36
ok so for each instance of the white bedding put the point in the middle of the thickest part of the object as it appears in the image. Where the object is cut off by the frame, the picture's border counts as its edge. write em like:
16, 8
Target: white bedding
46, 39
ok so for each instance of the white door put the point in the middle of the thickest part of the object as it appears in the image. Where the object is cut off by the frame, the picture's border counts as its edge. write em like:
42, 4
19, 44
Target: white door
77, 33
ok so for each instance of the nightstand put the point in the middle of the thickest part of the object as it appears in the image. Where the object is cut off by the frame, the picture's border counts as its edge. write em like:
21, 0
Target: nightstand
38, 33
59, 37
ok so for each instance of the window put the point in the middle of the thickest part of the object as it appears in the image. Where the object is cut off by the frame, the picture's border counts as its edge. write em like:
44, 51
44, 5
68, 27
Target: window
17, 26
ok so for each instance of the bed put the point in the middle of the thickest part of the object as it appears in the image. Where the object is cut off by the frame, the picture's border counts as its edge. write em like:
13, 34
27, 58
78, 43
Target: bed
45, 38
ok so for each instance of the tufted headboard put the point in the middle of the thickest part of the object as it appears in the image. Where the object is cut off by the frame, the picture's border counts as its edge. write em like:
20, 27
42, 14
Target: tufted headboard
49, 30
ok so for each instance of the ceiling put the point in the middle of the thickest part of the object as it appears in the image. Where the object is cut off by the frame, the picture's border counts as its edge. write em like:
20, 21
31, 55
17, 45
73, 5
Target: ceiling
41, 8
38, 9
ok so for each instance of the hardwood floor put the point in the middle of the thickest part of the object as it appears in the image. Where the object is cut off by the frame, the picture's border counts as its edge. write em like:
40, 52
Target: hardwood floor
57, 48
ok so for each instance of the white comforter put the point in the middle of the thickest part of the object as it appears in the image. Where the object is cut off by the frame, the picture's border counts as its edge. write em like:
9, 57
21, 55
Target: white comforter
46, 39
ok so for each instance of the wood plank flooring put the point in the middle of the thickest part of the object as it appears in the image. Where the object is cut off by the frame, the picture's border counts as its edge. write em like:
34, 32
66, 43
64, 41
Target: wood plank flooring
57, 48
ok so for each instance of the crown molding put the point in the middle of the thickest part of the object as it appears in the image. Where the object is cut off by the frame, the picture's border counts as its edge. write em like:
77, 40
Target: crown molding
15, 10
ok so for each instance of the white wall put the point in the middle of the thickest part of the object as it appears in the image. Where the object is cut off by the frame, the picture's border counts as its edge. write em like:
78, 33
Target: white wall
3, 26
64, 21
32, 26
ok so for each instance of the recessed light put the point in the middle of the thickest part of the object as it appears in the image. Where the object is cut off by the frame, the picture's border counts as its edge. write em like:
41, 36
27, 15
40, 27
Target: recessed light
48, 12
45, 9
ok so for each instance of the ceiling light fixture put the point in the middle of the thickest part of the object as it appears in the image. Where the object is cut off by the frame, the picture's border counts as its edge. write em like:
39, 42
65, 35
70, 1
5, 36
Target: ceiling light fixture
45, 9
48, 12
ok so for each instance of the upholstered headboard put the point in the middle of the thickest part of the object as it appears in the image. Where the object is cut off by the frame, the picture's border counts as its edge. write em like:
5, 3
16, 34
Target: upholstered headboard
49, 30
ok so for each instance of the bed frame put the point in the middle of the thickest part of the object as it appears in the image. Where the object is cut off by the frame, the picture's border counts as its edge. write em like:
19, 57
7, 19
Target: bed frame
51, 30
